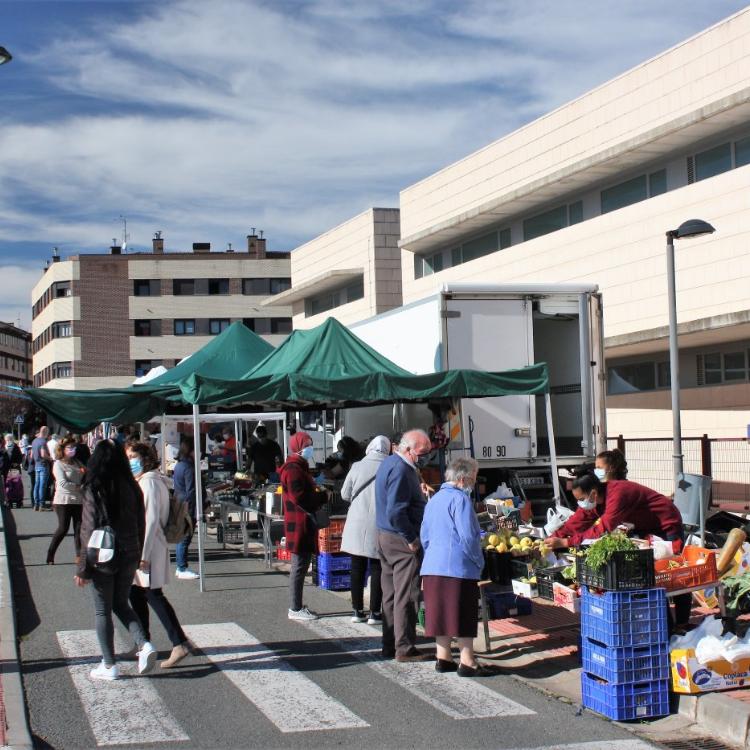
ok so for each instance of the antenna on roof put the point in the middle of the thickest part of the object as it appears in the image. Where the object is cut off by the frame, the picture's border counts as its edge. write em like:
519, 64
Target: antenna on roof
125, 235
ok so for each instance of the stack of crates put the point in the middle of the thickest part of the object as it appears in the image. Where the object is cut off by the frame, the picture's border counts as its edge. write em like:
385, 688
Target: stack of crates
333, 571
625, 652
329, 539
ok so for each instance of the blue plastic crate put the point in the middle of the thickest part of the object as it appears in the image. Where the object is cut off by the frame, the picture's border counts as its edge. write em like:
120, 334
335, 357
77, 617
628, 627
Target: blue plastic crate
335, 581
628, 664
334, 562
624, 618
625, 702
507, 604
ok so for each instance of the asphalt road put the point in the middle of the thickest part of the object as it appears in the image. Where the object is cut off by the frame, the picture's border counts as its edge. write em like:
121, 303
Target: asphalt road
260, 680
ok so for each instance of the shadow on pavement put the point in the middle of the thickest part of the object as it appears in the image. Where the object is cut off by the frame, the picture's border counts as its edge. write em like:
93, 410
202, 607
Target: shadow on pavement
27, 616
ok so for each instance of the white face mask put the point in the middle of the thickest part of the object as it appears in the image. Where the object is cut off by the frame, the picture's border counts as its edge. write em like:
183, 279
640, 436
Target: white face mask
600, 474
587, 504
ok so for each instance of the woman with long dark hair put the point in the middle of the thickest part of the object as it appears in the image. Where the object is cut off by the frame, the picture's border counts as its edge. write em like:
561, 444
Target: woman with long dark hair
68, 499
112, 497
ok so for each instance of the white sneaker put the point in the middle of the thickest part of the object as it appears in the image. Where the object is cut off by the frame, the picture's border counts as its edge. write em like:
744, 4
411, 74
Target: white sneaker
359, 616
187, 575
146, 658
302, 614
103, 672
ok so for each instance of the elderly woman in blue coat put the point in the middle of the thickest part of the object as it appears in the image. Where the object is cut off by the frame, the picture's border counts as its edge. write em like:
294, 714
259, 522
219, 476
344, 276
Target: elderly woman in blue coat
451, 569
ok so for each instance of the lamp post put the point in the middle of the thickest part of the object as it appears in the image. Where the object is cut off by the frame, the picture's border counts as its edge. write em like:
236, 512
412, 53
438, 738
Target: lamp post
690, 228
5, 56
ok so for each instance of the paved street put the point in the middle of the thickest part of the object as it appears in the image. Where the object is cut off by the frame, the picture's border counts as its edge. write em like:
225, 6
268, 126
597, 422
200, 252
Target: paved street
260, 680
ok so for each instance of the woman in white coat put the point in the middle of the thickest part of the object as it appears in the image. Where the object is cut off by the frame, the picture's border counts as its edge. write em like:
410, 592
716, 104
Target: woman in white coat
153, 572
360, 538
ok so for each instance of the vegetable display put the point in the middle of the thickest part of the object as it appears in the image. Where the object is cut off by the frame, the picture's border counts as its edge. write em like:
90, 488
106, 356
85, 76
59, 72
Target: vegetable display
600, 552
736, 587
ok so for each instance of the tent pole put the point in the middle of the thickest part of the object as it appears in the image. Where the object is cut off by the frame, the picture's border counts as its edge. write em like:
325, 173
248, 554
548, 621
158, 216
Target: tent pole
552, 450
284, 440
238, 443
198, 490
163, 429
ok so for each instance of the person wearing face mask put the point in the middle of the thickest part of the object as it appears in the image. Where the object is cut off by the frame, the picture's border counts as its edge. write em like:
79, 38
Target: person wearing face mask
451, 569
589, 494
611, 465
266, 455
300, 500
400, 505
68, 499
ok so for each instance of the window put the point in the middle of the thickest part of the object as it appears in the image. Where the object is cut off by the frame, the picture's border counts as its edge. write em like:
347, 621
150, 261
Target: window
355, 290
714, 161
62, 370
142, 288
62, 330
504, 238
457, 256
183, 287
142, 366
711, 369
419, 265
280, 285
281, 325
624, 194
62, 289
575, 213
631, 378
479, 247
218, 286
142, 328
663, 375
256, 287
337, 297
742, 152
217, 325
265, 326
734, 366
432, 264
657, 183
184, 327
549, 221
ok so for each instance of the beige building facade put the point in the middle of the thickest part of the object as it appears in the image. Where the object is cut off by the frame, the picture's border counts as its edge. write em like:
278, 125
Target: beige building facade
587, 193
104, 320
351, 272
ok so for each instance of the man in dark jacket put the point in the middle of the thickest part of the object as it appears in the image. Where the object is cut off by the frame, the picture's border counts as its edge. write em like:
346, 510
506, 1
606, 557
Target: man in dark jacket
399, 510
266, 455
301, 499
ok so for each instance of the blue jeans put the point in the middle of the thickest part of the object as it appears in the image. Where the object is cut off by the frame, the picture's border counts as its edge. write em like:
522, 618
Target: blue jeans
181, 552
41, 479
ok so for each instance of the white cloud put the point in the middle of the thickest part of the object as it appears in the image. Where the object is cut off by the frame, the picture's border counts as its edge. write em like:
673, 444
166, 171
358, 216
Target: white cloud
17, 284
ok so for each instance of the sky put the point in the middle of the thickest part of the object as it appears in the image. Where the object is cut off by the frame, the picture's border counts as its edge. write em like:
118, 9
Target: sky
203, 119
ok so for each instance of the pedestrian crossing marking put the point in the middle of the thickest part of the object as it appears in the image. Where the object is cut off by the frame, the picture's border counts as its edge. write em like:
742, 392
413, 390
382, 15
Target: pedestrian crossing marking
289, 699
457, 697
123, 712
598, 745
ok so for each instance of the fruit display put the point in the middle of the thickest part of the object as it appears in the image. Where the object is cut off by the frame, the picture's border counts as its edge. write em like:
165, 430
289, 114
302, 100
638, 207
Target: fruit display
504, 540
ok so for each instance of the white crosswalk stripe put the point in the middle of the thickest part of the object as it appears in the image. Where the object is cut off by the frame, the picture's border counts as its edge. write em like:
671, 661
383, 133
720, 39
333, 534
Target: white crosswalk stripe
455, 696
124, 712
598, 745
292, 701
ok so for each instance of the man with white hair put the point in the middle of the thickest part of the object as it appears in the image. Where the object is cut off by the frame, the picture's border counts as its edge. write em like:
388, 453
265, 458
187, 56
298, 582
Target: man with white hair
400, 506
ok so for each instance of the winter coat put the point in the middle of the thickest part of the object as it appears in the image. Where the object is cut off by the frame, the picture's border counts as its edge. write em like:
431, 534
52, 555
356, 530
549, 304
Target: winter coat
360, 530
184, 483
299, 498
68, 477
127, 519
155, 547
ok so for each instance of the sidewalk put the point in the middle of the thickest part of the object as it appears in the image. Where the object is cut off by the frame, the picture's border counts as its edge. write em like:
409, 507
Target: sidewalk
14, 731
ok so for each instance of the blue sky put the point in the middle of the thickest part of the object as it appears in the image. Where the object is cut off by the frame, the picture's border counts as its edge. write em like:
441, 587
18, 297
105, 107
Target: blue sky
205, 118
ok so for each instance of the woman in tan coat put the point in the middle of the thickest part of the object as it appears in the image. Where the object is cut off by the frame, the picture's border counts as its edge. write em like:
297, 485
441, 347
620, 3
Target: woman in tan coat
153, 572
68, 499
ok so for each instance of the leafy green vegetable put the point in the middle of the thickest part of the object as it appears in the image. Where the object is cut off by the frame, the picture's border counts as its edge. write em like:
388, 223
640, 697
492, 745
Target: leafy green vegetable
736, 587
602, 549
569, 573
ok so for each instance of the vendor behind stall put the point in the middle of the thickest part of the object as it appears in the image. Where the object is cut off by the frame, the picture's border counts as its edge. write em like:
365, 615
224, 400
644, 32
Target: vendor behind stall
266, 455
611, 465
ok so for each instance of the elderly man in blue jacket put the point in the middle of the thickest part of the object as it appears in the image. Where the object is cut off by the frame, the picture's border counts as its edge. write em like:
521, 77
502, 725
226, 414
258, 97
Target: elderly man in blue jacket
400, 506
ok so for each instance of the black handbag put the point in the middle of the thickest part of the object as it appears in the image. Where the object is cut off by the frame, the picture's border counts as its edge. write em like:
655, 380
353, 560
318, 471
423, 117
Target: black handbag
101, 551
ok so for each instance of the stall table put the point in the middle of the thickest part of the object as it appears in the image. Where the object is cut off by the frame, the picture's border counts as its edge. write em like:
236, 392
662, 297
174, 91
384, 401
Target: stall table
246, 515
266, 521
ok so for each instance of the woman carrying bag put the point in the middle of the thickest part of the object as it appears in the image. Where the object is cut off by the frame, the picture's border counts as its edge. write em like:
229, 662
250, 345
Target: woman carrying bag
360, 538
112, 499
153, 571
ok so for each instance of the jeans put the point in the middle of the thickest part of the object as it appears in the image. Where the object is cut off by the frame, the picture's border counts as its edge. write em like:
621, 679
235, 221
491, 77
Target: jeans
181, 552
111, 595
359, 574
141, 597
41, 479
297, 573
66, 514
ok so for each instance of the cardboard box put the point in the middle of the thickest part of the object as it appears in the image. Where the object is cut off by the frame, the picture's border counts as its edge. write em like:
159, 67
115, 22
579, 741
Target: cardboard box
529, 590
566, 597
690, 676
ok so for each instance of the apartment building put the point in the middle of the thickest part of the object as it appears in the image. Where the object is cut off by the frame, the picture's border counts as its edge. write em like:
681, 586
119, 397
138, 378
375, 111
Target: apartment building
351, 272
15, 356
102, 320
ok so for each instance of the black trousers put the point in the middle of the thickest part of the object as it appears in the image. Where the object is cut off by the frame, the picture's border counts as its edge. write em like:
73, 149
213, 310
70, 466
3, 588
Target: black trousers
140, 598
66, 514
359, 575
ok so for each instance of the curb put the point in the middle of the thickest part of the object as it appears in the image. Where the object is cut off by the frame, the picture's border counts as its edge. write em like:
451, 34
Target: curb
722, 717
17, 734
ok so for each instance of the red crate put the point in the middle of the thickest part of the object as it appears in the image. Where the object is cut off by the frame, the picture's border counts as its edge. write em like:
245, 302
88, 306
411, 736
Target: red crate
694, 574
282, 553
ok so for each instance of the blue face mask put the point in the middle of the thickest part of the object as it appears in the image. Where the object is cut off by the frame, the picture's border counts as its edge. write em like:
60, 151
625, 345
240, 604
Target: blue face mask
136, 466
600, 474
308, 453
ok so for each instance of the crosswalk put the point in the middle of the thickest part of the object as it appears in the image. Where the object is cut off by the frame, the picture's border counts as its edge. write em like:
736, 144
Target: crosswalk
133, 712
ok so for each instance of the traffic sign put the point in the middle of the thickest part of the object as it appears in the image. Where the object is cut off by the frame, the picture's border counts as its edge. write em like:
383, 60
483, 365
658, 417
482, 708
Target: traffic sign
18, 419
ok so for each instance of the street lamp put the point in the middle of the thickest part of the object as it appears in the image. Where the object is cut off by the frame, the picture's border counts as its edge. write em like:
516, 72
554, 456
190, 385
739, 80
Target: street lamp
690, 228
5, 56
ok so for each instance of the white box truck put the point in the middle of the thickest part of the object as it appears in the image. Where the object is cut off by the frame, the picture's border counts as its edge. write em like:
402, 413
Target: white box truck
497, 327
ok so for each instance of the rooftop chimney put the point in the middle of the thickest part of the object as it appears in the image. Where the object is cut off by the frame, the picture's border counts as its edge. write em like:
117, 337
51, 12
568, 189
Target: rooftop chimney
256, 245
55, 255
229, 247
157, 244
114, 248
201, 247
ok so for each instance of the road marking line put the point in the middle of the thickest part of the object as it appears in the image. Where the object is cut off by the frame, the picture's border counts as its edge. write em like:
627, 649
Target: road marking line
123, 712
457, 697
289, 699
598, 745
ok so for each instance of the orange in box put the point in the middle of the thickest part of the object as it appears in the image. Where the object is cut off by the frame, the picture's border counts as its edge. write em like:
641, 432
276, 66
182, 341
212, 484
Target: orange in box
684, 577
